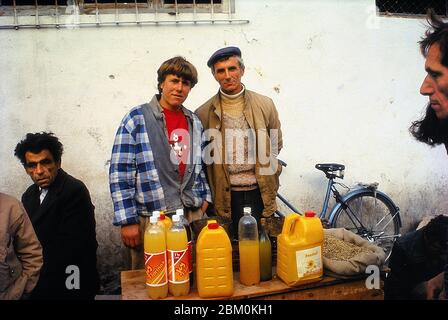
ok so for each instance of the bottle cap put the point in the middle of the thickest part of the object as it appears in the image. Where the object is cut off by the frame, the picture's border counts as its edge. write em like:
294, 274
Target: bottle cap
247, 210
176, 218
310, 214
156, 213
153, 219
180, 212
263, 220
213, 225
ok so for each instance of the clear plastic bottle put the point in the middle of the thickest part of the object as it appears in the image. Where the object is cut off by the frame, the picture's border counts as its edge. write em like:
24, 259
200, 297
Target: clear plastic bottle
177, 246
155, 260
249, 251
265, 253
160, 223
180, 213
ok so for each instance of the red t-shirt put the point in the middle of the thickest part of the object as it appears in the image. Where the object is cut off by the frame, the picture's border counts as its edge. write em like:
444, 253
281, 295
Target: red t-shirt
177, 127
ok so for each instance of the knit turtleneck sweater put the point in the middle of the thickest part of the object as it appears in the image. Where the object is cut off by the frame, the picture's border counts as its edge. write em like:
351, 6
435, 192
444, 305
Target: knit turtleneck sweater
240, 165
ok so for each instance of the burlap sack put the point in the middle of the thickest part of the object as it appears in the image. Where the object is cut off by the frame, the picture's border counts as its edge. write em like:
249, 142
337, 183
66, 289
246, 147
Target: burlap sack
356, 265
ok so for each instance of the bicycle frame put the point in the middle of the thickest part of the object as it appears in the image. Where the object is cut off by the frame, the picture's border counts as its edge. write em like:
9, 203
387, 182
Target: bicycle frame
322, 214
362, 227
340, 200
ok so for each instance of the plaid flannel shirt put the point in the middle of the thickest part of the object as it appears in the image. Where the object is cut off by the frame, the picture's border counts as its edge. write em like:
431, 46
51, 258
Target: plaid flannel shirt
133, 179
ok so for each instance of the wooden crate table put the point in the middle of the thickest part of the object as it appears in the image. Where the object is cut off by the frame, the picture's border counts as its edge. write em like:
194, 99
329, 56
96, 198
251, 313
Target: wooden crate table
133, 288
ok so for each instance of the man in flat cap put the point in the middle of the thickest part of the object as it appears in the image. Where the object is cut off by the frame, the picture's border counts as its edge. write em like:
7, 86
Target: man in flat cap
243, 140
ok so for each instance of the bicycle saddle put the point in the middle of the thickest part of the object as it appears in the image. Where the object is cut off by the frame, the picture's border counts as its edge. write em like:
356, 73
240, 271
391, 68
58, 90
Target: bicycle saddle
330, 168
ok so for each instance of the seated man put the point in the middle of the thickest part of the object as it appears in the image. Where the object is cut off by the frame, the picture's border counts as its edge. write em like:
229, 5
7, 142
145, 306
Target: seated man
20, 251
432, 129
62, 215
416, 258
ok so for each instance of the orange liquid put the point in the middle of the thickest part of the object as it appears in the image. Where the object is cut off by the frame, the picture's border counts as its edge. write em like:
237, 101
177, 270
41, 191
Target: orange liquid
154, 242
214, 263
249, 262
162, 225
177, 240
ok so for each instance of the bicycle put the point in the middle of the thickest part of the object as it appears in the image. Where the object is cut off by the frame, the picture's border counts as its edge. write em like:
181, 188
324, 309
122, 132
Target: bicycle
363, 210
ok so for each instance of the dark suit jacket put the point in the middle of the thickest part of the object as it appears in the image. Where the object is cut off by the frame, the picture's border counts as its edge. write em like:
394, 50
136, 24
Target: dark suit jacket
412, 263
65, 226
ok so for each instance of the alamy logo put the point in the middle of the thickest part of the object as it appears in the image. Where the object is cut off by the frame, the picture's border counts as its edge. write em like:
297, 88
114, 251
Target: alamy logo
373, 280
73, 280
241, 147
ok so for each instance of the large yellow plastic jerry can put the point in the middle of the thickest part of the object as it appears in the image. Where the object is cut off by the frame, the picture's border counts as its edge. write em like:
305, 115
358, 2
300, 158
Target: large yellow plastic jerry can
299, 249
214, 262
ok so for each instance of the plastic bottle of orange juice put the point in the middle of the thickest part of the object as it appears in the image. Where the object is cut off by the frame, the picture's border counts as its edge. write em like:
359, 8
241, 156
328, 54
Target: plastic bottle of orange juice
180, 213
249, 251
177, 246
155, 261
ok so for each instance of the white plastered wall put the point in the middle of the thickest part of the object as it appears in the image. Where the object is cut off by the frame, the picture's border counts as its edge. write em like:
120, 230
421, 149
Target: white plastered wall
346, 85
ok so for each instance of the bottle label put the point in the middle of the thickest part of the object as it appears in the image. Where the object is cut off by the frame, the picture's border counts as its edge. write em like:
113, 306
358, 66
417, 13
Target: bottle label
190, 256
309, 262
178, 271
155, 266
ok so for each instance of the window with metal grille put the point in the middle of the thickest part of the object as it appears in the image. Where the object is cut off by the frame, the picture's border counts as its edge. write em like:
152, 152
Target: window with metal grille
190, 1
411, 7
62, 2
78, 13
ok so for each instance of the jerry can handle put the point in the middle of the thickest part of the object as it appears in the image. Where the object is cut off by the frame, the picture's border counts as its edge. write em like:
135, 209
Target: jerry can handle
289, 223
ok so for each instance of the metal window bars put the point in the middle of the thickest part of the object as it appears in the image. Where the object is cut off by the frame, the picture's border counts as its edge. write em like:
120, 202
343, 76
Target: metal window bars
410, 8
92, 13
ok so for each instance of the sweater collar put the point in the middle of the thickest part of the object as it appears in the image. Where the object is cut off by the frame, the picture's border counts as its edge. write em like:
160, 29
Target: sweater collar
233, 96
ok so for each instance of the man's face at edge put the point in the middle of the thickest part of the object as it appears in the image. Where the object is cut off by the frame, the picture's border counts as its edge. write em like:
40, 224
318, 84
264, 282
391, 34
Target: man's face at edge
435, 84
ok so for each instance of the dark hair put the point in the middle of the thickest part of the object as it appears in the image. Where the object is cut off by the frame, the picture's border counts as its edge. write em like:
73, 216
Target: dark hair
437, 33
435, 234
429, 129
180, 67
36, 142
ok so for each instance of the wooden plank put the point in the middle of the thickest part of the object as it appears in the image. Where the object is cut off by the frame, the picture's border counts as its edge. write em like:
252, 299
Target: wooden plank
133, 288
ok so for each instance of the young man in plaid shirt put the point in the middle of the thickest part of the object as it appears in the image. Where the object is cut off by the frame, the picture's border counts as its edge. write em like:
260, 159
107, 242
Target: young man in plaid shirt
156, 159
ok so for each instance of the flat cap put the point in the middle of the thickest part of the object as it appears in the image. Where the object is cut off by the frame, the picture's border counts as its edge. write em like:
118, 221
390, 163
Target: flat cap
223, 53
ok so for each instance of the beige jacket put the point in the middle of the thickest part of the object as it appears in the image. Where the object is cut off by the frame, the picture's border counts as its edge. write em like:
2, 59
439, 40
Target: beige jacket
20, 250
262, 116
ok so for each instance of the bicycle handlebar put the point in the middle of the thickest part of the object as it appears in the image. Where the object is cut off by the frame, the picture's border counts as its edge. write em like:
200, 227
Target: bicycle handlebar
283, 163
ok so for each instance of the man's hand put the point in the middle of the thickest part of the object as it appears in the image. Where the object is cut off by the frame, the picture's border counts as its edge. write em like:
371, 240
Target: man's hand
130, 234
204, 207
434, 286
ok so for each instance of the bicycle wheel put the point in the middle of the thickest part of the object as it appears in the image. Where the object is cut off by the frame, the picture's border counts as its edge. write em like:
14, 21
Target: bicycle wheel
372, 216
